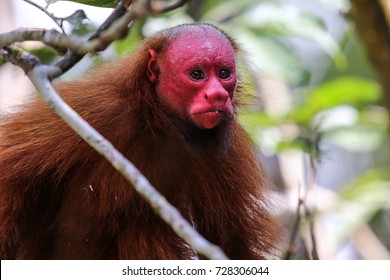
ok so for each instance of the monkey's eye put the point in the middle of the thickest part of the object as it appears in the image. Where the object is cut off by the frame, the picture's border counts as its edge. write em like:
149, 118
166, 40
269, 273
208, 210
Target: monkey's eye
197, 74
224, 74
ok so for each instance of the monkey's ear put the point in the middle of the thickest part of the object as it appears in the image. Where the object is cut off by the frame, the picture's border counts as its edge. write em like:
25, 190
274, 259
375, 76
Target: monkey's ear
153, 68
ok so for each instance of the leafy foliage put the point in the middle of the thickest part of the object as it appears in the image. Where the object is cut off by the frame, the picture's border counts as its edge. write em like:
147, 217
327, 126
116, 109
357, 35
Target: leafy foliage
97, 3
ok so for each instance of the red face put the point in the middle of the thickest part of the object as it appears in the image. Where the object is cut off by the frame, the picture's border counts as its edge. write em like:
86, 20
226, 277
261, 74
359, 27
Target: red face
196, 78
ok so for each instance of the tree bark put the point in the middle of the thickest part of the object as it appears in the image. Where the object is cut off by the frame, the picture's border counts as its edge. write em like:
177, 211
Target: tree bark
372, 27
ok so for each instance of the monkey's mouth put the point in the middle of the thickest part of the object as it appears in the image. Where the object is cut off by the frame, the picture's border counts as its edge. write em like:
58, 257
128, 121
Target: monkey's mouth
210, 118
214, 111
217, 111
215, 114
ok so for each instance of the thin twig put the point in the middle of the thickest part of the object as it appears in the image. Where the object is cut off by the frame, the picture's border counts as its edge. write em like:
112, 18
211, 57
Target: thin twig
310, 219
292, 247
110, 25
309, 216
303, 211
47, 13
72, 57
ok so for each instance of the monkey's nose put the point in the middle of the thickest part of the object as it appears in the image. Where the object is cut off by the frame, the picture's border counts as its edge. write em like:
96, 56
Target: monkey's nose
216, 94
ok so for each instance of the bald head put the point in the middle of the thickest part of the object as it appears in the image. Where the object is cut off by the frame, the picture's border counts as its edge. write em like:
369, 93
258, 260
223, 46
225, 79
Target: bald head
199, 43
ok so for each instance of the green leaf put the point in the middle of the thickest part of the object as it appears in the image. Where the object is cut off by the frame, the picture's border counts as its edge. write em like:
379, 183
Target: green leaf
97, 3
292, 145
76, 19
256, 119
371, 182
84, 29
347, 90
46, 55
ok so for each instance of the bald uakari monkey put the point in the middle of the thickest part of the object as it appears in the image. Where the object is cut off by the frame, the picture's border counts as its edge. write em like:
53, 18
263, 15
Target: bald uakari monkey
171, 108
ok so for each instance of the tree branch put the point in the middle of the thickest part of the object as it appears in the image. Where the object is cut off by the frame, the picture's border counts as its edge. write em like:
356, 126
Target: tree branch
52, 38
47, 13
304, 215
72, 57
373, 29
